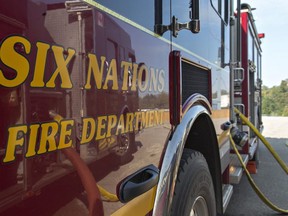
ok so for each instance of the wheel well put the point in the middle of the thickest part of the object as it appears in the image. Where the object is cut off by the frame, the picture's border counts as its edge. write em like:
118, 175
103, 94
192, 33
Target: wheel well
202, 138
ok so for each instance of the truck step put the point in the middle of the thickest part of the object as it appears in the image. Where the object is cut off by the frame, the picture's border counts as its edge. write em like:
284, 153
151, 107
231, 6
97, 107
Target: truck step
236, 170
224, 156
227, 191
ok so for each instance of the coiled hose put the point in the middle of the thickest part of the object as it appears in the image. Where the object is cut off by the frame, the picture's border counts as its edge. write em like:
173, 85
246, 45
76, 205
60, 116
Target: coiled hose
275, 155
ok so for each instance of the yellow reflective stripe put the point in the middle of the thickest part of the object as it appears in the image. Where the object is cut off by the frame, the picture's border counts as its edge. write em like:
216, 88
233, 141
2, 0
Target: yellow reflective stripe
141, 205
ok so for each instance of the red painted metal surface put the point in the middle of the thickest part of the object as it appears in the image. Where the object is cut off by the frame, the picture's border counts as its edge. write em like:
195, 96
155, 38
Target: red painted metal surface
89, 67
244, 41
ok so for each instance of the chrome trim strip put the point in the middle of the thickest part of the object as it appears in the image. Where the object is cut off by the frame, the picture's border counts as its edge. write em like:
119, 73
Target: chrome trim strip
171, 161
196, 98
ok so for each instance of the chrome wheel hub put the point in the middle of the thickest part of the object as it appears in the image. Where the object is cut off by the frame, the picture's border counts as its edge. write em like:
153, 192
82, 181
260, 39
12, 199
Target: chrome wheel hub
199, 207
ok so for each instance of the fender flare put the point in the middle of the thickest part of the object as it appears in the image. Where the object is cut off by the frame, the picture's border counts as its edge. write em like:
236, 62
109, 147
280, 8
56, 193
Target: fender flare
196, 106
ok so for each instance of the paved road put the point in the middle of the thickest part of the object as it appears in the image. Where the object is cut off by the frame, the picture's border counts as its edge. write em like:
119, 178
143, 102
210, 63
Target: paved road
270, 177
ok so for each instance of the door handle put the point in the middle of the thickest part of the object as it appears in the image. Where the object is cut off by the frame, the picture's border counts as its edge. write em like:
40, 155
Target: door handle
137, 183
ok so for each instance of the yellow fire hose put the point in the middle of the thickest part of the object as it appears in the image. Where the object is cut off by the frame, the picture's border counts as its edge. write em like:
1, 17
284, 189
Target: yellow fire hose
275, 155
104, 193
107, 195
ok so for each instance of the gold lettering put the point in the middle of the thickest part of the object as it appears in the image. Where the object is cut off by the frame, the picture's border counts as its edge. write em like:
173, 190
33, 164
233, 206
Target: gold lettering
93, 68
161, 80
61, 69
143, 77
15, 138
104, 131
65, 140
138, 121
144, 119
134, 77
161, 117
48, 133
112, 76
151, 118
32, 140
41, 57
100, 126
112, 122
129, 122
157, 117
126, 67
11, 58
88, 125
153, 79
121, 125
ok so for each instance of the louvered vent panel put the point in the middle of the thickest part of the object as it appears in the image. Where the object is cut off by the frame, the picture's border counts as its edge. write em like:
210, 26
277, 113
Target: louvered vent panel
194, 80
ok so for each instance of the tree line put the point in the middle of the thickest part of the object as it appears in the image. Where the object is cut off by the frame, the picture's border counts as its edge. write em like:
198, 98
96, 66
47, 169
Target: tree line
275, 99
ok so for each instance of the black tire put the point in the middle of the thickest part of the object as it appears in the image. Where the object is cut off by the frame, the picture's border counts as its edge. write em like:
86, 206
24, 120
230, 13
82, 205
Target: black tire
126, 144
194, 189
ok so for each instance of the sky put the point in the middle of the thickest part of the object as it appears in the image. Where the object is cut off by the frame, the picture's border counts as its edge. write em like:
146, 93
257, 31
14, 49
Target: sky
271, 18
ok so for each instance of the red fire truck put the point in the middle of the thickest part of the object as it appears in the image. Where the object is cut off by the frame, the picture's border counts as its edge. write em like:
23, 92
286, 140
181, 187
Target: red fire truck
123, 107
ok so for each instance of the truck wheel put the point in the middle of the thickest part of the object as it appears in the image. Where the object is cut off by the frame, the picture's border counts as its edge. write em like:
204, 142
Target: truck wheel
194, 192
126, 147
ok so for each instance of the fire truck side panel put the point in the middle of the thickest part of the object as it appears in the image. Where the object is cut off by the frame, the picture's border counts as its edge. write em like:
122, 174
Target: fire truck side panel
210, 49
94, 78
95, 71
207, 51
